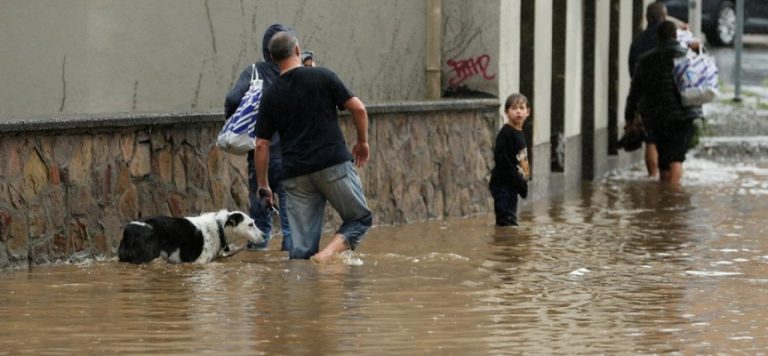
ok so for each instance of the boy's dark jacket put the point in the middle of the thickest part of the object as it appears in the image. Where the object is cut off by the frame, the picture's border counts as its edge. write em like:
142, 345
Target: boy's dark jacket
505, 171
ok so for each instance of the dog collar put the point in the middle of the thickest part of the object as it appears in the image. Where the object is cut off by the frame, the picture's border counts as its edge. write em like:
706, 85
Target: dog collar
223, 239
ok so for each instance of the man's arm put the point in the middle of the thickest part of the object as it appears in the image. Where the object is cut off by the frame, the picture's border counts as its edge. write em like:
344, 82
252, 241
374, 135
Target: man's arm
261, 160
360, 119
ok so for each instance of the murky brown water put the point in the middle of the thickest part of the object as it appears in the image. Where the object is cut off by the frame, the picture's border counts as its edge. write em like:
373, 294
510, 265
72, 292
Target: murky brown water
625, 266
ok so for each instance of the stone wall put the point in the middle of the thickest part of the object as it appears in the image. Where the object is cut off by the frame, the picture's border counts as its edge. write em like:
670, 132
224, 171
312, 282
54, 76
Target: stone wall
430, 160
69, 184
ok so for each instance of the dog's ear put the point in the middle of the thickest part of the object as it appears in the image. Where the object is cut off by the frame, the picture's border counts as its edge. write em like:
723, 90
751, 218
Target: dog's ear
233, 219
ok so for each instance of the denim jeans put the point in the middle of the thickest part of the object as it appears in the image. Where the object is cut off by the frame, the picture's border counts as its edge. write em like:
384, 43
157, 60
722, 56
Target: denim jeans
505, 205
338, 185
258, 211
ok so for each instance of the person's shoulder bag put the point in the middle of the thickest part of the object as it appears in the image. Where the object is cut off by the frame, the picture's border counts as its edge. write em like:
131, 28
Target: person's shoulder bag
237, 136
696, 77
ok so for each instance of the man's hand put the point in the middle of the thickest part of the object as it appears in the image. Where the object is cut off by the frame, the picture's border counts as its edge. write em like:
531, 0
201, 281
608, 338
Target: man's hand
360, 119
265, 193
695, 45
361, 151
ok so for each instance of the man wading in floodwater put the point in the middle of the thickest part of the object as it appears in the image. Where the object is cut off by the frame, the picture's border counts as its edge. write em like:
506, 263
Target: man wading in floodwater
301, 105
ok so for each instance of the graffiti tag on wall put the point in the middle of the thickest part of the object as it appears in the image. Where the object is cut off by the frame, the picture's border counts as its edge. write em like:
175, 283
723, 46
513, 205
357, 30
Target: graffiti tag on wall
468, 68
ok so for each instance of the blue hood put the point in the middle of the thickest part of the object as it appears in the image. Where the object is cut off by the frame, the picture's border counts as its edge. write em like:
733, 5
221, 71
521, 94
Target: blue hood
271, 31
269, 70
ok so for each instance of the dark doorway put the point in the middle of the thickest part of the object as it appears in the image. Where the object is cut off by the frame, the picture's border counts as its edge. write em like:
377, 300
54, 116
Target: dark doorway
613, 78
557, 128
588, 92
637, 18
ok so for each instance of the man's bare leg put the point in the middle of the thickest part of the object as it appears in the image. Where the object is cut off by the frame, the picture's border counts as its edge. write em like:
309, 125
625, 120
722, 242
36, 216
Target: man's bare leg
337, 244
674, 174
651, 159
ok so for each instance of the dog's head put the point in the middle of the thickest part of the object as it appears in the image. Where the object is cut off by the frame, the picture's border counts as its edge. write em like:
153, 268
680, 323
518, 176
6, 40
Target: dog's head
239, 225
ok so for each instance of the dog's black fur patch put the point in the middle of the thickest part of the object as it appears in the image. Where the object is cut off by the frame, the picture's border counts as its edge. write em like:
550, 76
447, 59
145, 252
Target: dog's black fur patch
145, 242
234, 219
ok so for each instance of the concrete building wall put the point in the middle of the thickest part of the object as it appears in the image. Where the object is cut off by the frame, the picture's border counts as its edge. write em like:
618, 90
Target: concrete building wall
542, 73
602, 42
625, 41
602, 86
98, 56
573, 67
471, 45
509, 48
574, 92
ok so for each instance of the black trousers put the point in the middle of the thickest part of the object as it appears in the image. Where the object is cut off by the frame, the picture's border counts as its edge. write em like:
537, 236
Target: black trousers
505, 205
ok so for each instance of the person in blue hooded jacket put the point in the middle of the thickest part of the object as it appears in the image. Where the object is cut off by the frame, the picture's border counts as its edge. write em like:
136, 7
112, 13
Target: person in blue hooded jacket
268, 71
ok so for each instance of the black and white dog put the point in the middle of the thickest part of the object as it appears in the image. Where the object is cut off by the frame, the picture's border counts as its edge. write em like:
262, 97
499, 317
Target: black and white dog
197, 239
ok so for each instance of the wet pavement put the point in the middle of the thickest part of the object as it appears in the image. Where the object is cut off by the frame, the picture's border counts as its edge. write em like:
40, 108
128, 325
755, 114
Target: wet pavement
622, 266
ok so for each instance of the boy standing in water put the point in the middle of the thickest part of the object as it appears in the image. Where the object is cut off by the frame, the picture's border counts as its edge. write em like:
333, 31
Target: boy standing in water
509, 177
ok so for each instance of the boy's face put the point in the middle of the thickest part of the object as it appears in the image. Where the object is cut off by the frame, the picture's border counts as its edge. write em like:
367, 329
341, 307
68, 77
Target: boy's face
517, 113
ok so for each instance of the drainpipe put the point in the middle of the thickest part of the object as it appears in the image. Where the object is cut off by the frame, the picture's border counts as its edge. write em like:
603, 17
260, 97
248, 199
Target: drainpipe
739, 47
434, 44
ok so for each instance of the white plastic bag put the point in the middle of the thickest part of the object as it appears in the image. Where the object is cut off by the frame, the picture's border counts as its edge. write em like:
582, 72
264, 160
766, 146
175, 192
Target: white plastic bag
238, 136
696, 76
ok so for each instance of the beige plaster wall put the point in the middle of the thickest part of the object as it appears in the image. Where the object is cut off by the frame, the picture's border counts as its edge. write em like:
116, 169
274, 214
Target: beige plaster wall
509, 49
574, 69
625, 41
95, 56
602, 44
471, 44
542, 72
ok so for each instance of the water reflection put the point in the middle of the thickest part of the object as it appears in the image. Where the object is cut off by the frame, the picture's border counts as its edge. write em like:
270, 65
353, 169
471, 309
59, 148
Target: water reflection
621, 266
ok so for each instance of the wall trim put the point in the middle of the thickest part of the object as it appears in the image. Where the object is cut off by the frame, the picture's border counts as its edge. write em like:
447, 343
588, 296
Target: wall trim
122, 120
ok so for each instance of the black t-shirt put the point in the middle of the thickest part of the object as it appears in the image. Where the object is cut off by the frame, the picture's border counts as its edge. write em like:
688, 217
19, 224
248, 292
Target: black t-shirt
301, 105
510, 157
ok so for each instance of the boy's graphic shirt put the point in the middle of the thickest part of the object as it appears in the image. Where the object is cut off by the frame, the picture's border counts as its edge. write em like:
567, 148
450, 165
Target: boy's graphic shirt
510, 156
522, 159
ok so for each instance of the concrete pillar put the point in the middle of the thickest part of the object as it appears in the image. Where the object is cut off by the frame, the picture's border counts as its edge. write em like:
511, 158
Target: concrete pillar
694, 17
509, 48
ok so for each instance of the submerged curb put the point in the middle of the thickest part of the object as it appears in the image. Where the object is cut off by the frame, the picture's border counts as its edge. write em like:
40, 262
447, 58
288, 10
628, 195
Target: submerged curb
731, 147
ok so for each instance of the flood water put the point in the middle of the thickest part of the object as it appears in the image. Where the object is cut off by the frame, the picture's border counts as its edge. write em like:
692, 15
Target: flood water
624, 266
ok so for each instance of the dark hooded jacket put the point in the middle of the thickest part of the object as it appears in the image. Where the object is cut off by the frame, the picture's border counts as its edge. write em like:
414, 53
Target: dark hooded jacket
653, 92
268, 72
645, 42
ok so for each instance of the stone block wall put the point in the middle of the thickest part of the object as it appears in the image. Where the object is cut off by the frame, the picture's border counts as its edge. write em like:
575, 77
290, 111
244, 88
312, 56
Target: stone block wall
69, 185
68, 194
429, 161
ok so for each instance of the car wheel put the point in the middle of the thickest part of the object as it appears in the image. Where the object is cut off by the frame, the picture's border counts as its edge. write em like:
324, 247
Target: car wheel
723, 31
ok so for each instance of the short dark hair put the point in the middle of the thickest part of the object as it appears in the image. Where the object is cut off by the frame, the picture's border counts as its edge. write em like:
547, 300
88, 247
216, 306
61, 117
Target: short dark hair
656, 12
666, 30
281, 45
515, 99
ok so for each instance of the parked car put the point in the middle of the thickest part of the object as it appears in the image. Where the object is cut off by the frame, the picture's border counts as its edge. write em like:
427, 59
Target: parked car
718, 18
